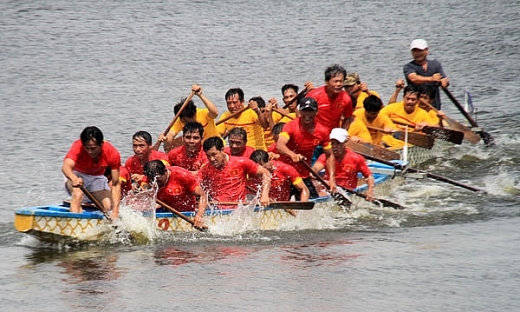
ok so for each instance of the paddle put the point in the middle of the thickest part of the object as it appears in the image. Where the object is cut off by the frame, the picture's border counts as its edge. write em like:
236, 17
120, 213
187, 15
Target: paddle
339, 198
469, 135
422, 140
429, 175
297, 98
384, 202
235, 114
165, 132
373, 150
445, 134
286, 205
488, 140
96, 203
284, 114
180, 215
289, 211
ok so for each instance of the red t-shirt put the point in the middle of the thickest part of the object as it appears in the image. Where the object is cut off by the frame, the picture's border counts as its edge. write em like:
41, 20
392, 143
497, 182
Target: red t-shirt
347, 169
304, 143
178, 192
227, 183
84, 163
134, 166
282, 177
125, 180
330, 111
247, 151
178, 157
272, 148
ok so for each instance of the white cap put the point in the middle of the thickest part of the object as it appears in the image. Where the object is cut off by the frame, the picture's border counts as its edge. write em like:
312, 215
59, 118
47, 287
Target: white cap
339, 134
420, 44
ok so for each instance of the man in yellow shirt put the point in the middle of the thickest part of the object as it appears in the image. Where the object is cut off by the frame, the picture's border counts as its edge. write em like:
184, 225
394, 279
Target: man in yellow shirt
371, 117
252, 119
204, 116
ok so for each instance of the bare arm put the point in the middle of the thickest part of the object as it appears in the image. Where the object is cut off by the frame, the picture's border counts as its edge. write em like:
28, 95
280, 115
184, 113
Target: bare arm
261, 116
213, 111
304, 196
331, 168
266, 185
281, 146
203, 204
116, 192
399, 85
67, 169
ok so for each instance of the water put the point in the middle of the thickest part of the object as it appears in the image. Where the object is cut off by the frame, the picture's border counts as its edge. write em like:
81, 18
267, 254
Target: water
122, 66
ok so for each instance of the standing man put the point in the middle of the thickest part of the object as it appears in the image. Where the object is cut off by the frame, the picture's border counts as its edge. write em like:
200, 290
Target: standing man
204, 116
190, 155
85, 165
298, 140
224, 177
178, 188
423, 71
252, 119
333, 102
348, 164
143, 153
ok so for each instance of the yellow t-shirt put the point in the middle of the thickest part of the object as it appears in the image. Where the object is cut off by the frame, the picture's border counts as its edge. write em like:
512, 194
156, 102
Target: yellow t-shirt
382, 121
357, 128
201, 116
397, 109
250, 122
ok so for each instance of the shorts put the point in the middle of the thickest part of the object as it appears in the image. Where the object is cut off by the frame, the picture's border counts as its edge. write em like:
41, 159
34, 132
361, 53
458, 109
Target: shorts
93, 183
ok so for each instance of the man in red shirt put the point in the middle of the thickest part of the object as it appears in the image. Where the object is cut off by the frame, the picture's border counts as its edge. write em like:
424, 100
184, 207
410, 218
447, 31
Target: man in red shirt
190, 155
333, 101
348, 164
85, 165
143, 153
224, 177
298, 140
283, 176
178, 188
237, 140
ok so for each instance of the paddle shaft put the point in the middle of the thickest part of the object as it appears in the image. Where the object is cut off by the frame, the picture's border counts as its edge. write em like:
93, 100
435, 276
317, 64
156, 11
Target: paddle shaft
235, 114
324, 183
422, 140
281, 112
289, 211
294, 205
170, 125
297, 98
429, 175
449, 135
180, 215
96, 203
488, 139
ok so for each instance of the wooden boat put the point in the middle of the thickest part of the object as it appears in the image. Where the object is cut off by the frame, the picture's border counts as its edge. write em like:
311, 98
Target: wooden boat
56, 224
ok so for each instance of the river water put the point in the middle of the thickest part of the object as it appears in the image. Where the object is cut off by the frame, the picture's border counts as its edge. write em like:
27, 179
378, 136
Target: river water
121, 65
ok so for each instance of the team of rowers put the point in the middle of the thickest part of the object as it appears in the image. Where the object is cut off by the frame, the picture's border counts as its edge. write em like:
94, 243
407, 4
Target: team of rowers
269, 148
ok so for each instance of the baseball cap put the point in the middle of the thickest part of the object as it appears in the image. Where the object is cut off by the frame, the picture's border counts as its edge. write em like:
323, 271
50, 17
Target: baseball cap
339, 134
308, 102
351, 79
420, 44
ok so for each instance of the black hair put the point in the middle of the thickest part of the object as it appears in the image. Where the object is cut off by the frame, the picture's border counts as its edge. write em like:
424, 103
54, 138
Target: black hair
154, 168
238, 131
372, 103
193, 126
334, 70
189, 111
259, 156
91, 133
143, 135
277, 129
234, 91
259, 100
290, 86
215, 142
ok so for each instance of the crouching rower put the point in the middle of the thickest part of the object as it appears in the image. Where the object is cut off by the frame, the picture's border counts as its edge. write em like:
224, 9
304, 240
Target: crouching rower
178, 188
224, 177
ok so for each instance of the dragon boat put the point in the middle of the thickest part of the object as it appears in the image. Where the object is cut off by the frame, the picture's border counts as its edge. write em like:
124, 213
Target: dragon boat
56, 224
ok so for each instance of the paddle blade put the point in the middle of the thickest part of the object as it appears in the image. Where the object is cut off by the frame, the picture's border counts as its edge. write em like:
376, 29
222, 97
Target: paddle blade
390, 204
449, 135
292, 205
418, 139
469, 135
342, 200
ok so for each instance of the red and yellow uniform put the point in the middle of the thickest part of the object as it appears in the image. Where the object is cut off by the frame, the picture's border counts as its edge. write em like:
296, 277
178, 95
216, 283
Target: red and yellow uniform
330, 111
125, 180
248, 120
347, 169
201, 116
229, 182
246, 153
110, 158
358, 129
277, 118
178, 192
304, 143
179, 157
134, 166
381, 121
